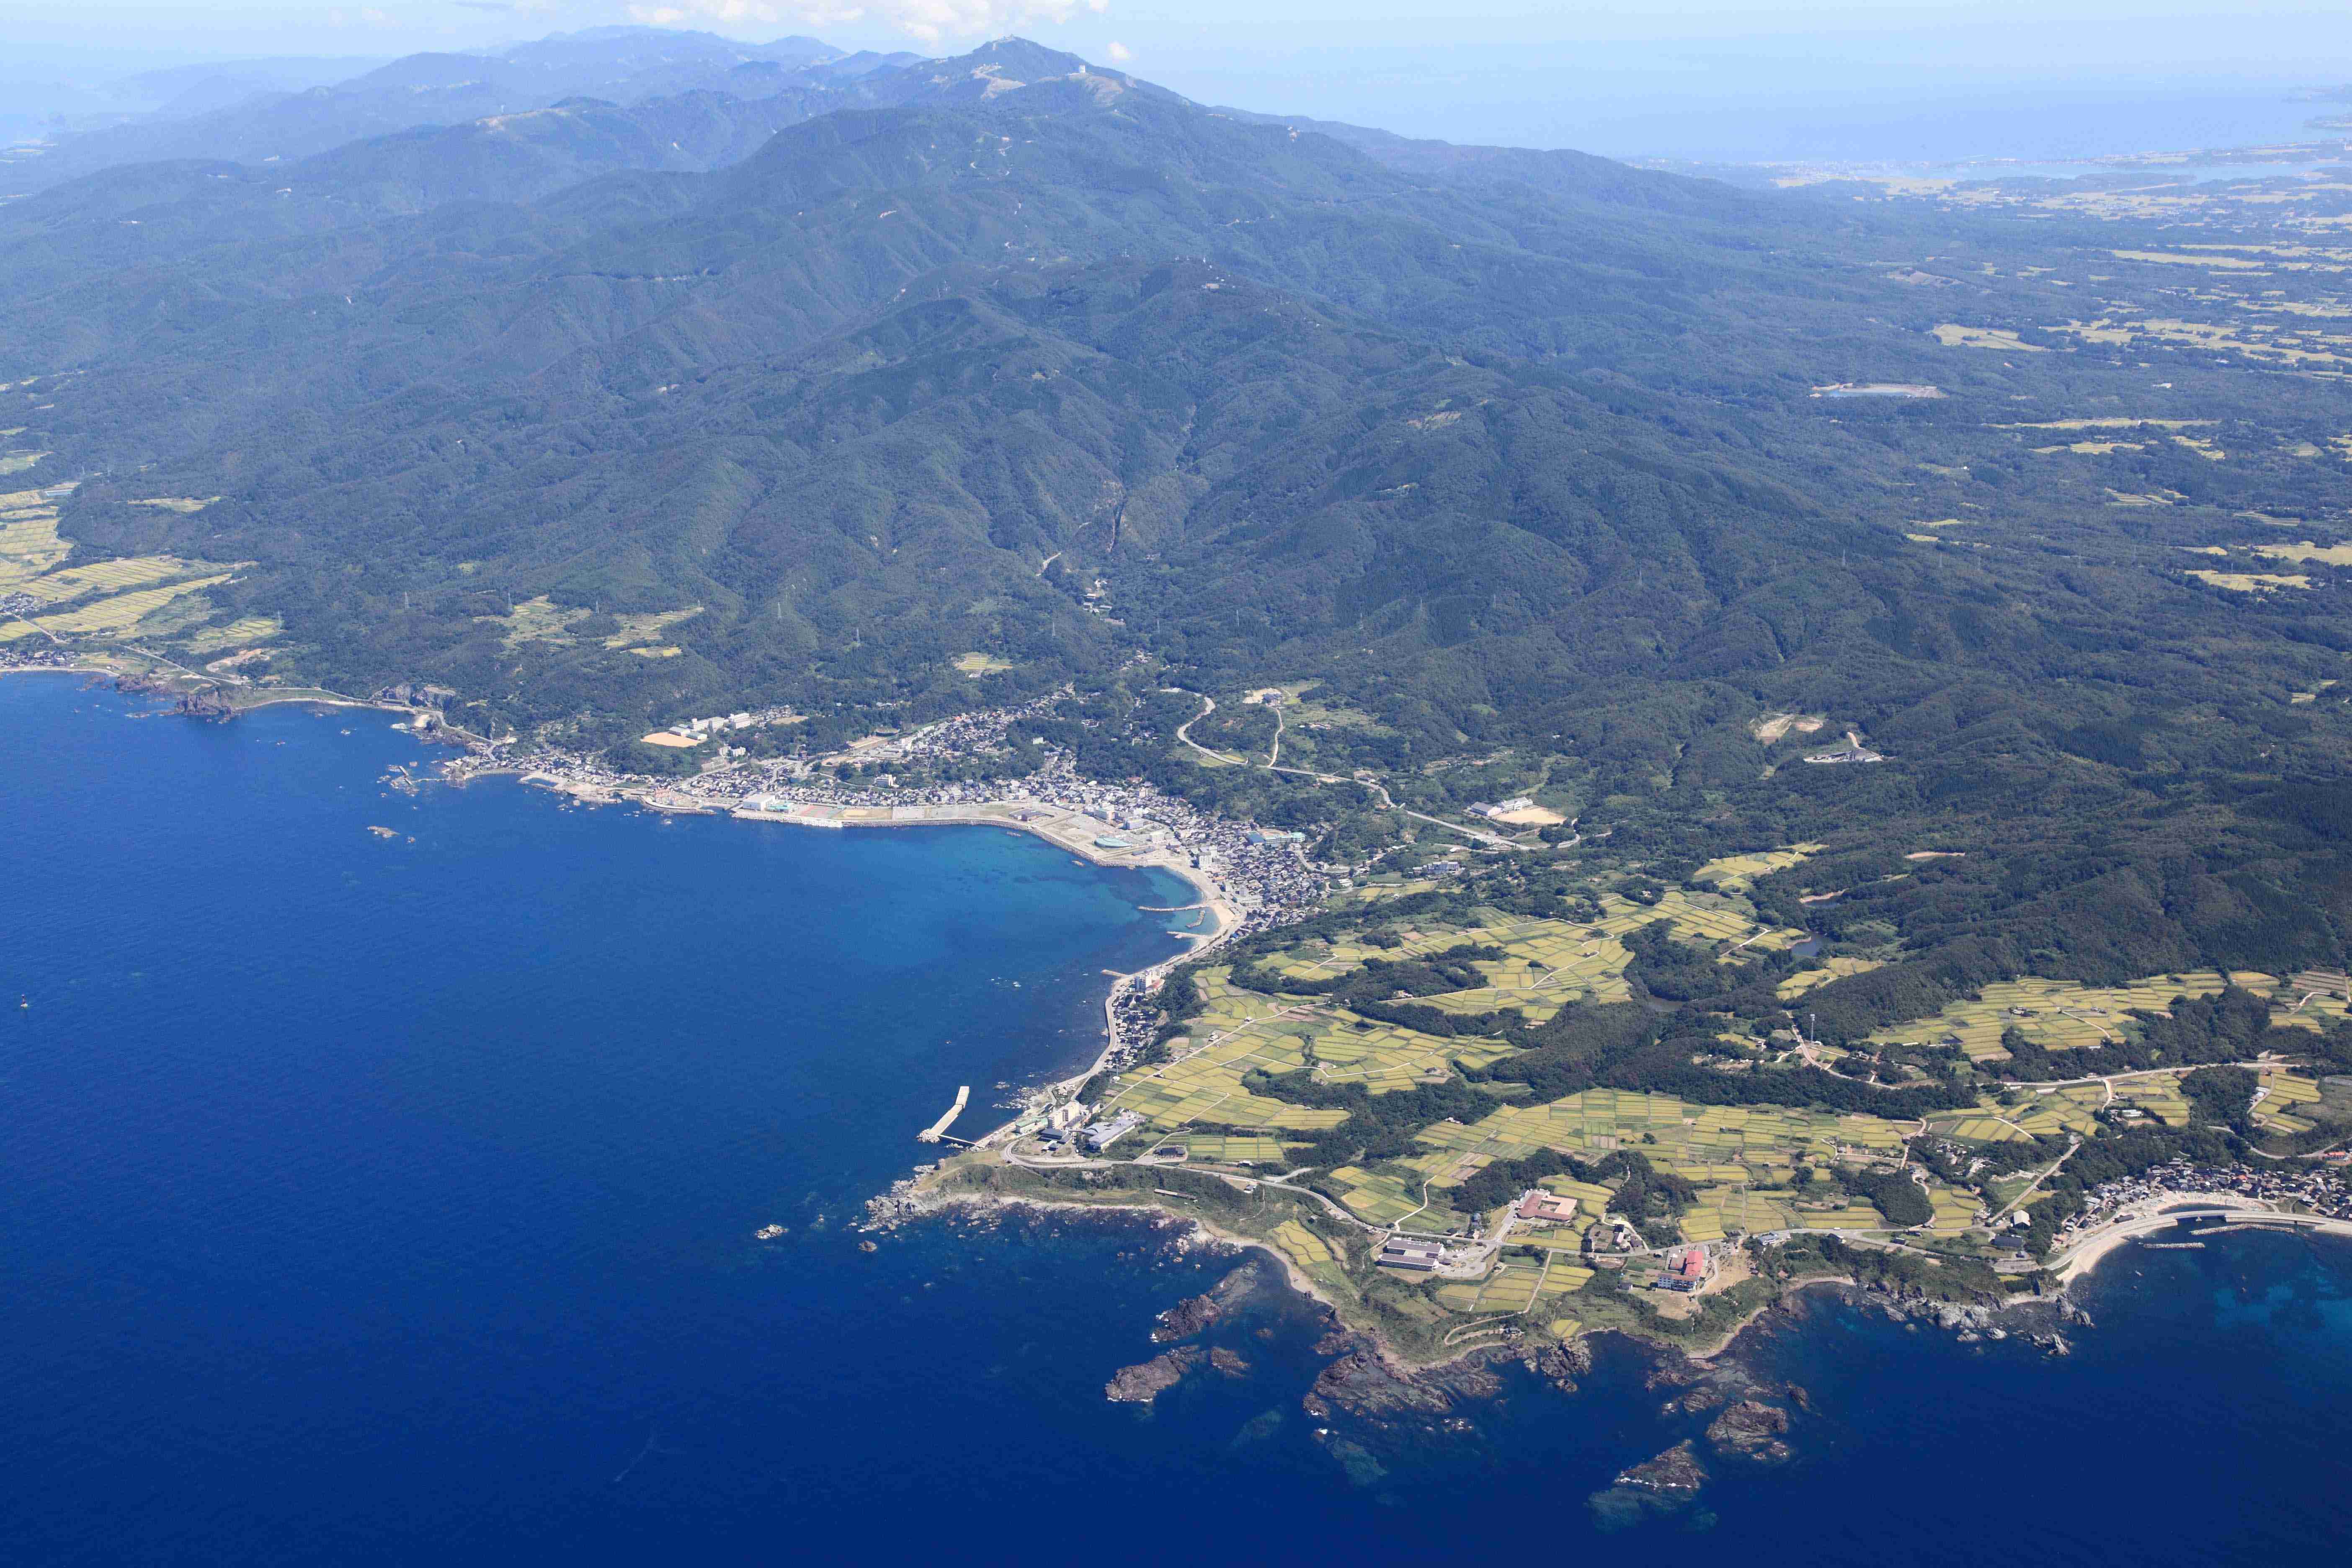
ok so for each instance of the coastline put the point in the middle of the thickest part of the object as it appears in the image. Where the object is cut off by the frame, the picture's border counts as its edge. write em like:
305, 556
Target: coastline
1073, 831
1063, 830
2156, 1215
248, 697
1065, 827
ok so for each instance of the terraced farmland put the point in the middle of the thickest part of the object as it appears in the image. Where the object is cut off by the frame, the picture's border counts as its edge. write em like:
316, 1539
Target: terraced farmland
2057, 1014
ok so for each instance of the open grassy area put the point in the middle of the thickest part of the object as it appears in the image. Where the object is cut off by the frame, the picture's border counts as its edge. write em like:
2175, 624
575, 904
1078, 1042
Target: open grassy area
648, 629
2251, 581
538, 619
1836, 968
2331, 554
1952, 335
976, 664
237, 634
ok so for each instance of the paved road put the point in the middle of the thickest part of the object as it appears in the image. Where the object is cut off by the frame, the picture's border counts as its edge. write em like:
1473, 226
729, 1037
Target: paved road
1209, 706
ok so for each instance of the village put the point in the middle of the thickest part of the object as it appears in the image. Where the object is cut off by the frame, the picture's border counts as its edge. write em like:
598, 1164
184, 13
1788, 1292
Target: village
1259, 878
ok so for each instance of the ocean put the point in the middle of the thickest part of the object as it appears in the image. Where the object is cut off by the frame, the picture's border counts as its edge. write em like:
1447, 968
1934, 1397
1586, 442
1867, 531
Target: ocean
372, 1198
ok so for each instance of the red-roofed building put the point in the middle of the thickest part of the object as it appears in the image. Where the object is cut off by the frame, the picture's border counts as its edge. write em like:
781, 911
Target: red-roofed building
1537, 1203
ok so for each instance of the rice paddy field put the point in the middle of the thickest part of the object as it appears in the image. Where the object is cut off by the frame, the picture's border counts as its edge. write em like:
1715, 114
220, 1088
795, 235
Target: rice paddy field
100, 598
1702, 1142
117, 613
1550, 962
2284, 1094
1743, 1162
106, 577
237, 634
1231, 1149
1836, 968
1738, 873
1314, 1256
2057, 1014
29, 546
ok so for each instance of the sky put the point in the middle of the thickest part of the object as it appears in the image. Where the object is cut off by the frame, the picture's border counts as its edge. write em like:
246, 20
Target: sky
1684, 78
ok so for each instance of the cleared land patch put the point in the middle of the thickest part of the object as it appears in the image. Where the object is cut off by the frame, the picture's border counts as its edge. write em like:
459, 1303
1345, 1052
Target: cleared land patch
1952, 335
1773, 726
2331, 554
2251, 581
250, 629
650, 627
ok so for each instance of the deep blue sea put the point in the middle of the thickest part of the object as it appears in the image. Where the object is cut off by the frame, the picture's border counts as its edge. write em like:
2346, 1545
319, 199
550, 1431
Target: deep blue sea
391, 1201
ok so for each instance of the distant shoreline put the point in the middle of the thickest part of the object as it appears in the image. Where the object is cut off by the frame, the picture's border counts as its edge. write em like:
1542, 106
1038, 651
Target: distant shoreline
640, 792
264, 696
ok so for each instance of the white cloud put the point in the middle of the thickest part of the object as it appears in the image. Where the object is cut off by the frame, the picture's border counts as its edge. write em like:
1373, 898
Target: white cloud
1120, 53
928, 20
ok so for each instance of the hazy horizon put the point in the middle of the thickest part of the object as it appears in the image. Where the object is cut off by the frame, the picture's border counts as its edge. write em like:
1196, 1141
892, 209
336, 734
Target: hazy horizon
1713, 79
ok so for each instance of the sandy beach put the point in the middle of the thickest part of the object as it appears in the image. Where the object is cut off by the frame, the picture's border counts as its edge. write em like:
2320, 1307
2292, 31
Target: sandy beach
2153, 1215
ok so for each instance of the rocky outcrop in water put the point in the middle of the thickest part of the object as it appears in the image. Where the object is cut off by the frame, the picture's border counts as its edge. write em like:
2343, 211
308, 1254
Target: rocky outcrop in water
1147, 1381
1674, 1472
1752, 1430
1185, 1319
208, 705
1365, 1383
1558, 1364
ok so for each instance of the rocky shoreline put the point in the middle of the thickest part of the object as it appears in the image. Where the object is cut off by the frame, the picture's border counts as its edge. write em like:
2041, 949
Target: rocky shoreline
1367, 1400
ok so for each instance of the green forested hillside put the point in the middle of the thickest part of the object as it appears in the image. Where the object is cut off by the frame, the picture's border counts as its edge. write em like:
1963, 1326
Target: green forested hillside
1535, 469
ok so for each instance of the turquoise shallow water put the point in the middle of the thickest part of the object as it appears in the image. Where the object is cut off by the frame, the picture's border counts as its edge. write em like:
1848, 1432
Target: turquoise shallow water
369, 1200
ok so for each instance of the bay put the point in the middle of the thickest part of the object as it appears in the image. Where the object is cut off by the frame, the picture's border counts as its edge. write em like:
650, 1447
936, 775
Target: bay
370, 1198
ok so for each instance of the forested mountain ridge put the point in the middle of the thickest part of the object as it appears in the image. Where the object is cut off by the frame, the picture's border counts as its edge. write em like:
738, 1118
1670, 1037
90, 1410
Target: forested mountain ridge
1522, 457
622, 64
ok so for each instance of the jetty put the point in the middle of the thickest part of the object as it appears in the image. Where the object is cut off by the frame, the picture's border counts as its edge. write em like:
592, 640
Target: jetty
937, 1129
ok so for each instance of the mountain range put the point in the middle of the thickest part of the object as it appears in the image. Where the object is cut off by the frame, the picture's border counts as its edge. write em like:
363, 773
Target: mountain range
838, 370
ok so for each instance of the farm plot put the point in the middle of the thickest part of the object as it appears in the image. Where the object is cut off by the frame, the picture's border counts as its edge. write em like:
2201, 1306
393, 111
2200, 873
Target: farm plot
1232, 1148
2057, 1014
1313, 1255
237, 634
1738, 873
118, 613
1381, 1197
1383, 1058
29, 546
1511, 1287
1836, 968
105, 577
1750, 1139
2286, 1101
